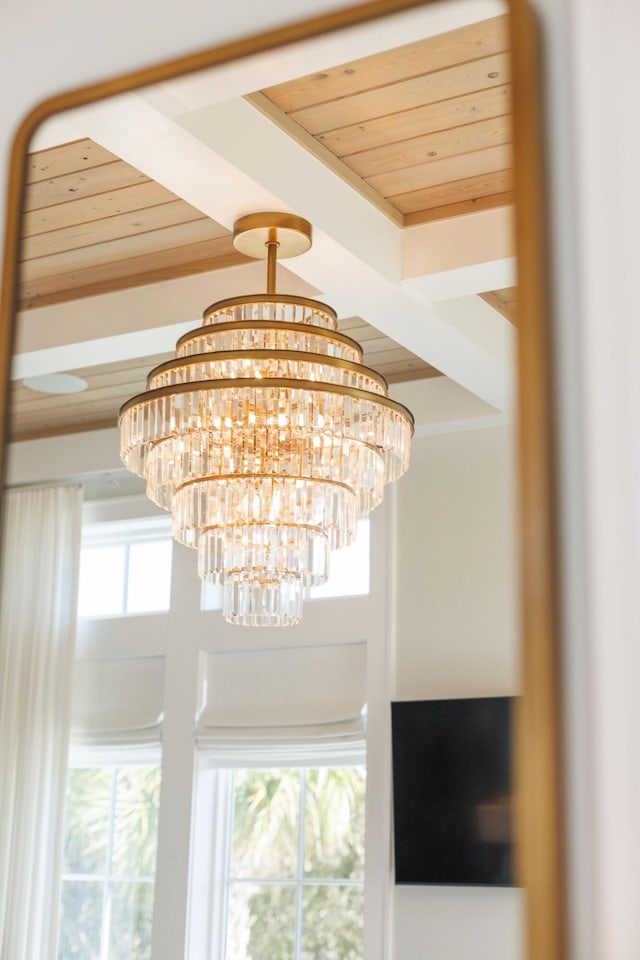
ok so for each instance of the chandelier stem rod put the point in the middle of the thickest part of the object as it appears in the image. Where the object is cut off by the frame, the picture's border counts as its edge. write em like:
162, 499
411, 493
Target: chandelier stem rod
272, 257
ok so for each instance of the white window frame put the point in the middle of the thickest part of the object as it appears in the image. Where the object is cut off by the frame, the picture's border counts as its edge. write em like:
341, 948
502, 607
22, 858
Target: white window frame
115, 758
212, 843
127, 533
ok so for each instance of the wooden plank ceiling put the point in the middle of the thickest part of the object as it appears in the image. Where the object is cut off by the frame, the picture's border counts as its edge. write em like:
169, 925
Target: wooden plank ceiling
504, 301
93, 224
424, 128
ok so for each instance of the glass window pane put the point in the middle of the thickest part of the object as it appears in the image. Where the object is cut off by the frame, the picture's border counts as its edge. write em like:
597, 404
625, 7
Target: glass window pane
136, 821
265, 829
131, 917
149, 587
332, 923
334, 822
87, 820
100, 591
80, 920
261, 922
348, 568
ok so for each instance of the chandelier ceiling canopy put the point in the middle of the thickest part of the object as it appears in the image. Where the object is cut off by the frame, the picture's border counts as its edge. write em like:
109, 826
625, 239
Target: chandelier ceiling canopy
266, 437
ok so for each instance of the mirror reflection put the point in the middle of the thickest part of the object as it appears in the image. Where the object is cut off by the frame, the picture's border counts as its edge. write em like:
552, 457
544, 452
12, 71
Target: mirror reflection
229, 792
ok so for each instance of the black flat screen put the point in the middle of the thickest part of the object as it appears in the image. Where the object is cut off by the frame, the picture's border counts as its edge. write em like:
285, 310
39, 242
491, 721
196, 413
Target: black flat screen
452, 796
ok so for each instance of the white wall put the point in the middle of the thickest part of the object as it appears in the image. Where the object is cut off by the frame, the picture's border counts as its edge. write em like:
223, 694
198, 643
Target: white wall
456, 635
457, 617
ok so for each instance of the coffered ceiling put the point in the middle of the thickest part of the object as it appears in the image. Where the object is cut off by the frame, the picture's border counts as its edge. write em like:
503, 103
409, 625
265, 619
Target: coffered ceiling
394, 140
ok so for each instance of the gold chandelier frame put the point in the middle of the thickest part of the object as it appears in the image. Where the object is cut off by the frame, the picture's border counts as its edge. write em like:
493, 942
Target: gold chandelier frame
281, 325
268, 383
294, 355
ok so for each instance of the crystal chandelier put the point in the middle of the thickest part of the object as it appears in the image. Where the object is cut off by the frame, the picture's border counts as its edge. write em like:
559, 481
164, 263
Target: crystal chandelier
266, 437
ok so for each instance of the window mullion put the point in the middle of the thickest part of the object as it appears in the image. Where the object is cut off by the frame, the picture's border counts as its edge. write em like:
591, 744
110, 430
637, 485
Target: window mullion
106, 890
211, 864
230, 795
298, 879
300, 871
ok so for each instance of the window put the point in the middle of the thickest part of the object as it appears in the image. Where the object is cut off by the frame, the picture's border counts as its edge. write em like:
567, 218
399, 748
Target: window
349, 571
348, 568
125, 567
295, 867
111, 819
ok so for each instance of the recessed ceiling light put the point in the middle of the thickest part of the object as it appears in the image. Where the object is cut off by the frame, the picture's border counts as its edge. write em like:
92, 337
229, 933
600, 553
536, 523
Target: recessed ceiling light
56, 383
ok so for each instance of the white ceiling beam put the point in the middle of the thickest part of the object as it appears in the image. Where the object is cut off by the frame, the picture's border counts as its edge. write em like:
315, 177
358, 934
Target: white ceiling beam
463, 241
250, 144
138, 322
355, 289
467, 254
420, 328
93, 353
462, 281
439, 405
357, 257
483, 325
180, 300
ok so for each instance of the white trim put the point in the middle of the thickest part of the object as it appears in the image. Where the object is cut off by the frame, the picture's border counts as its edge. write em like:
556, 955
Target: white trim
458, 426
140, 530
210, 851
211, 858
462, 281
114, 741
106, 877
114, 753
345, 751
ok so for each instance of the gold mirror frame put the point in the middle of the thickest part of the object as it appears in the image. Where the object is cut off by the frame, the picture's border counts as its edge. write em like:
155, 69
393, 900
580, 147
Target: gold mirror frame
538, 739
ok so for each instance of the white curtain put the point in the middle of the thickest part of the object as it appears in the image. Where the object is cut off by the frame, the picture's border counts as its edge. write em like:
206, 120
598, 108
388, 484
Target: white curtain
38, 586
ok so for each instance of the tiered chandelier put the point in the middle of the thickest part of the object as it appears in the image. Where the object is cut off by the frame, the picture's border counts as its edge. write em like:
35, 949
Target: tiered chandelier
266, 437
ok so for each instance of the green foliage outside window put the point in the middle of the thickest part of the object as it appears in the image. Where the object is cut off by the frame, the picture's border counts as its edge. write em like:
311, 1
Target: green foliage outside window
296, 864
111, 826
279, 817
